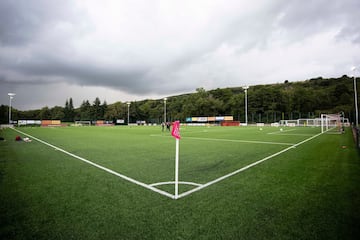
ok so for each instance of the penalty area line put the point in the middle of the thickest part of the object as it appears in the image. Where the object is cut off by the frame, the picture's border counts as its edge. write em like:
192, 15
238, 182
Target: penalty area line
281, 131
101, 167
240, 141
229, 140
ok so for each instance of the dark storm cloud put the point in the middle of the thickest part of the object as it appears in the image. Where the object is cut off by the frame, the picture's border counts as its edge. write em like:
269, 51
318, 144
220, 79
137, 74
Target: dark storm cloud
303, 19
49, 70
28, 59
165, 47
23, 20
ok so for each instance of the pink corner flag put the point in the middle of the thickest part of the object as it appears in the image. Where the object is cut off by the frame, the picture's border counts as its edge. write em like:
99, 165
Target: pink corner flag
176, 130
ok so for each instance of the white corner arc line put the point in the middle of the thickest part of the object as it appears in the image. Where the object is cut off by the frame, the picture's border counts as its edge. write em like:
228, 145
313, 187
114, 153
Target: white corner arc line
101, 167
244, 168
172, 182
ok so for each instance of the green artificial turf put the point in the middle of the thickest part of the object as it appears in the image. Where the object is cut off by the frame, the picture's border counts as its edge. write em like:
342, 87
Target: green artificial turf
307, 192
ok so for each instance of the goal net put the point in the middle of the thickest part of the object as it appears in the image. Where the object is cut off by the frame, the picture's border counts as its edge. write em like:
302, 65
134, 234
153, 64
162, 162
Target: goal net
82, 123
289, 123
331, 123
302, 122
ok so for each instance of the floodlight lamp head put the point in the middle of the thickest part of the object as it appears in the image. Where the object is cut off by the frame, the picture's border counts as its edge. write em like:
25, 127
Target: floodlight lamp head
128, 103
165, 98
11, 94
353, 68
245, 87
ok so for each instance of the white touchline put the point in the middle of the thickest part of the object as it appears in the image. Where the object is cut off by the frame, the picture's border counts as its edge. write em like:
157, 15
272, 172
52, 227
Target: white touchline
101, 167
244, 168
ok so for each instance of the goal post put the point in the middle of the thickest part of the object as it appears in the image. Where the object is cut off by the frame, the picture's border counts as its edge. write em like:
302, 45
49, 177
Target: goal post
331, 122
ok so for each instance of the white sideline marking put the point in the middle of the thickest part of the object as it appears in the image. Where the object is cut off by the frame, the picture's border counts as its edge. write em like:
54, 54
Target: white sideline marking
231, 140
244, 168
101, 167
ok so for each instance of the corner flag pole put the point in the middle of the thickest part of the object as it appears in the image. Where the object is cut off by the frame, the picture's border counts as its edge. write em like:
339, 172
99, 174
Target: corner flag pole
176, 134
177, 169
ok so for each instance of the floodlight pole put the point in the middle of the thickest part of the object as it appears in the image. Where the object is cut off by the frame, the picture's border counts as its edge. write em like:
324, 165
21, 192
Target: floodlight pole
246, 114
165, 110
355, 99
11, 96
128, 117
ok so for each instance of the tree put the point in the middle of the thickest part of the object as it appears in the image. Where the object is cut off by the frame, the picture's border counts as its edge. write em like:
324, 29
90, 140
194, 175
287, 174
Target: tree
45, 113
96, 110
237, 106
152, 110
69, 112
57, 113
103, 108
85, 111
224, 96
115, 111
265, 103
4, 114
31, 114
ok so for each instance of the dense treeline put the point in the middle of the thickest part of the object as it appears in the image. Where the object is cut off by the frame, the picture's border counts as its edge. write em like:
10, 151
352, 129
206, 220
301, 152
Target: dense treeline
266, 103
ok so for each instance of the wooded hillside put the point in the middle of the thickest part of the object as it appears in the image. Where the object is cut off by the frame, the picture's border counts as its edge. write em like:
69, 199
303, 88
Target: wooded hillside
266, 103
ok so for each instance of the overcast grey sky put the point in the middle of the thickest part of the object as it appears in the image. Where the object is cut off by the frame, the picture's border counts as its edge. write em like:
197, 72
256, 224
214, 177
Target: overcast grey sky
126, 50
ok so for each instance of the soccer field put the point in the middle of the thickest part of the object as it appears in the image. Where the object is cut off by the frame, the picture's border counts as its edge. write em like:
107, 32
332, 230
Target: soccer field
146, 155
235, 182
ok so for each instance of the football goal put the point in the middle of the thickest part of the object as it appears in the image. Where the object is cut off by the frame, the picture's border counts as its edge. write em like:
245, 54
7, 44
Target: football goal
82, 123
331, 122
334, 122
